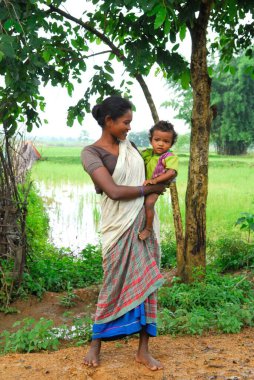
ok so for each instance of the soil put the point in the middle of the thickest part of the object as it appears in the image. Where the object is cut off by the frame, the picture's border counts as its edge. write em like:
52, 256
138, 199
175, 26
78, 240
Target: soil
208, 357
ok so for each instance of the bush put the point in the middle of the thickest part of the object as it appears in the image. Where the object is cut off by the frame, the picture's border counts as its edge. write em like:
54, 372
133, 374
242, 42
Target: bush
37, 225
31, 337
56, 271
35, 336
219, 302
168, 252
232, 254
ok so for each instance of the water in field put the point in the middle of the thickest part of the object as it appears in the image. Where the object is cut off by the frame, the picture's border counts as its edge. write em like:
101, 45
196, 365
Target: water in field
74, 213
74, 208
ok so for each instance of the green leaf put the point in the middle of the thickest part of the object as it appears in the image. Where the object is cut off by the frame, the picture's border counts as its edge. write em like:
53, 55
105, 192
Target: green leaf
154, 10
1, 56
80, 118
7, 45
167, 26
210, 71
182, 32
70, 88
109, 69
232, 70
160, 17
185, 79
46, 55
111, 56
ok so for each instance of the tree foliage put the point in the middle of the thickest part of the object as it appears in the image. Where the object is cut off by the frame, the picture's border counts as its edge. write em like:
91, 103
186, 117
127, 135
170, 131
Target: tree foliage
40, 43
233, 96
232, 101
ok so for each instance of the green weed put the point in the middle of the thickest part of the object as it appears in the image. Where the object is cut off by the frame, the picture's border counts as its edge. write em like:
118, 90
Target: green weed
230, 253
54, 270
35, 336
68, 300
246, 223
31, 337
218, 302
168, 252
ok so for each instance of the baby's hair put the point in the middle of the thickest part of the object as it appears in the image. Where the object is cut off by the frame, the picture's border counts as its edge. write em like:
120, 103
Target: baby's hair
163, 126
113, 106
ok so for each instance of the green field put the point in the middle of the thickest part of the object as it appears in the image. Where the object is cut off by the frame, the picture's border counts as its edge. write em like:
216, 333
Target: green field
231, 181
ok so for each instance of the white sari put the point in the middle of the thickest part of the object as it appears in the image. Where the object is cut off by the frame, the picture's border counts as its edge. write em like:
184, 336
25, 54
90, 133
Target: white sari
118, 216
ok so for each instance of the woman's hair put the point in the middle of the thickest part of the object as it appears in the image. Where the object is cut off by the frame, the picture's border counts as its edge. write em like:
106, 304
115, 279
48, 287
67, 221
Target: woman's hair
113, 106
163, 126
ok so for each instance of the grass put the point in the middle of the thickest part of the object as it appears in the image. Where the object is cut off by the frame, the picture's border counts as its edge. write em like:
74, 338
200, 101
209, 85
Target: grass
230, 190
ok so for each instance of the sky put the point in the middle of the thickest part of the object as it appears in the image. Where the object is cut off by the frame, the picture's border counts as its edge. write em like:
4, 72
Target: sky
58, 100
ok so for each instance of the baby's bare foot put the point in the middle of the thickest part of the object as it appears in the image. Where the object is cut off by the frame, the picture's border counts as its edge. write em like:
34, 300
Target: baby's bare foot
149, 361
143, 235
92, 357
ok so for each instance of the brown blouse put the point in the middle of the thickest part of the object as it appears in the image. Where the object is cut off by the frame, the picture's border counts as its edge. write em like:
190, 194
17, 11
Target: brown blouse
93, 157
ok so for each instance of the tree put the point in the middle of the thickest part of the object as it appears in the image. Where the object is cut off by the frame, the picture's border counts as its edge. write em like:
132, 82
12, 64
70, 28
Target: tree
232, 129
138, 34
84, 137
233, 103
140, 139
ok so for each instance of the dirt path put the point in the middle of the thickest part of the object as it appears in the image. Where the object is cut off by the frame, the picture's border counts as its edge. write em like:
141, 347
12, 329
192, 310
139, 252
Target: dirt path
185, 358
211, 357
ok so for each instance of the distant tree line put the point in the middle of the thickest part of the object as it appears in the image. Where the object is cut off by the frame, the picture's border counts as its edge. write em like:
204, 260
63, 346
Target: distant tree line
232, 102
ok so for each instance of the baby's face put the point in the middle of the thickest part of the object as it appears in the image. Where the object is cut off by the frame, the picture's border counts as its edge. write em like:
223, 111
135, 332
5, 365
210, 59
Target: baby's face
161, 141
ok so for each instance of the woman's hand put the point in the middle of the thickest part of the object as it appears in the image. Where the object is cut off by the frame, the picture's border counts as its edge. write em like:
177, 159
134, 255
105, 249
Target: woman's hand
159, 188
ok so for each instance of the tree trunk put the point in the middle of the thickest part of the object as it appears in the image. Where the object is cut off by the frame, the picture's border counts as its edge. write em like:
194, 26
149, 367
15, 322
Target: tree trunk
197, 188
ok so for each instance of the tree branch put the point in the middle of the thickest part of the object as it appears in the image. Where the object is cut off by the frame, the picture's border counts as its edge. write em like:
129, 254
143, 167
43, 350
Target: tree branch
115, 50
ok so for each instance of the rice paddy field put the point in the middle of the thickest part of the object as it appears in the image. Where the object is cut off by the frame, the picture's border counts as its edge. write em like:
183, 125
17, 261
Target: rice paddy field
231, 185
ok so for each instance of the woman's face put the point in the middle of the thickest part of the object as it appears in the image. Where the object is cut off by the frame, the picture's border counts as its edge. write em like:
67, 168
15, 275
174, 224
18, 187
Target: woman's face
120, 127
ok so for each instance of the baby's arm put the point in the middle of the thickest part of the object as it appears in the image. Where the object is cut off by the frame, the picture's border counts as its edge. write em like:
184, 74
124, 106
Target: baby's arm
165, 177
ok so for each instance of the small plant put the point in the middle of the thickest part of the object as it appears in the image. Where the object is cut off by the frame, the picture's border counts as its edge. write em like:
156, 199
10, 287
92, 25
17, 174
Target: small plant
9, 310
246, 223
68, 299
31, 337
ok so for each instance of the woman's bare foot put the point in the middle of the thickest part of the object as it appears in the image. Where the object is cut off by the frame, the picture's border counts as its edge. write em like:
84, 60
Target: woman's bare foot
143, 235
92, 357
149, 361
143, 356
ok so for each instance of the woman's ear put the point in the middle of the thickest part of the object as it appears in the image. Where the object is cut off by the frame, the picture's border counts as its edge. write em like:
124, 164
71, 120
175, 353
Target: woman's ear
108, 121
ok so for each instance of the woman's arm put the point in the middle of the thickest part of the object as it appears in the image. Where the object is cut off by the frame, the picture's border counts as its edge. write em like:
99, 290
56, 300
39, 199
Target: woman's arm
104, 181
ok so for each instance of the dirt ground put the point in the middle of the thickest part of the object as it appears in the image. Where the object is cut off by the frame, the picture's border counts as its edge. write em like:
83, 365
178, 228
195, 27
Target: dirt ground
210, 357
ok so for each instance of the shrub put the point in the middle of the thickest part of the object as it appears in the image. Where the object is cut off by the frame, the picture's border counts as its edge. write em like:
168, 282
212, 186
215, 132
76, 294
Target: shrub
30, 337
220, 302
34, 336
56, 270
232, 254
168, 252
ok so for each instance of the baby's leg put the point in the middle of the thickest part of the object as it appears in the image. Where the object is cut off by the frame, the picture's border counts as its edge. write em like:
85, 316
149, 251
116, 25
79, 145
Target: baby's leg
150, 201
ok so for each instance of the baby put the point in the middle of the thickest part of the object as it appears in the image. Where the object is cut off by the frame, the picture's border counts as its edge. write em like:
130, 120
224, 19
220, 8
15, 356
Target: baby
161, 166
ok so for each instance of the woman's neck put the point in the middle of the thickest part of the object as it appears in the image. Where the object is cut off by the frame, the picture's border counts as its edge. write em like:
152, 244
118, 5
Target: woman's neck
108, 142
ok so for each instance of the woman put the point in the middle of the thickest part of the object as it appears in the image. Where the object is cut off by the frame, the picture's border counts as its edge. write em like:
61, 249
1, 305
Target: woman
127, 301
